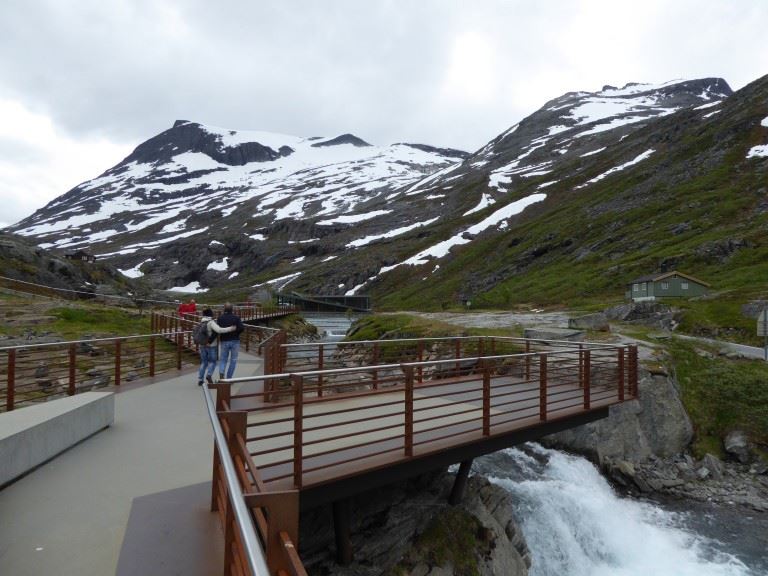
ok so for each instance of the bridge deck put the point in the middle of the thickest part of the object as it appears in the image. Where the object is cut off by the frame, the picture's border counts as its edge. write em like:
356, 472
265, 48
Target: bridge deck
350, 435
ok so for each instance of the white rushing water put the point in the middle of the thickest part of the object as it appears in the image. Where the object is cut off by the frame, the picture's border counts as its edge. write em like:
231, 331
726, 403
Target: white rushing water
576, 525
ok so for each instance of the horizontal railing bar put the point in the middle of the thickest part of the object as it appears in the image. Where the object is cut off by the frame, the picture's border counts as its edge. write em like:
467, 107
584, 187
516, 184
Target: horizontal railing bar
110, 339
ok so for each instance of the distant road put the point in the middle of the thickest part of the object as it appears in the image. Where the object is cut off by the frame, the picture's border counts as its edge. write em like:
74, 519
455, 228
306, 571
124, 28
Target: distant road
748, 351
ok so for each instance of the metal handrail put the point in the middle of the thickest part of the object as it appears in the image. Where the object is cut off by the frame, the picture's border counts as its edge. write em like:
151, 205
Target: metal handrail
443, 338
92, 340
254, 555
354, 369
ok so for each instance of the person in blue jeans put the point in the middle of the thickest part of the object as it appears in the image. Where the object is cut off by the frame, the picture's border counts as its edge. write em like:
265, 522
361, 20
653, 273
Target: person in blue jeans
230, 342
209, 351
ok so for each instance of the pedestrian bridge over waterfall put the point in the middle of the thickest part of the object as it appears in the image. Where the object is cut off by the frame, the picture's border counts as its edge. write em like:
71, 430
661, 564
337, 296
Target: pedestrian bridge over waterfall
300, 425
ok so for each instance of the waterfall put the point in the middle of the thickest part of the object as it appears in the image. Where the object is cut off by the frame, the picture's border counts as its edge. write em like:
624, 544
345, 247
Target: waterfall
576, 525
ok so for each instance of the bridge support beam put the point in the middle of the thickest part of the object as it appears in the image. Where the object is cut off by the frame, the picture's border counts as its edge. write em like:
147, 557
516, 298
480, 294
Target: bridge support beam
342, 527
460, 483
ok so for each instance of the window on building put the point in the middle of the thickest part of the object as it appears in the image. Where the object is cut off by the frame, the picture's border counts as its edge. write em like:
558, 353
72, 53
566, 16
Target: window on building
665, 285
635, 287
644, 287
684, 285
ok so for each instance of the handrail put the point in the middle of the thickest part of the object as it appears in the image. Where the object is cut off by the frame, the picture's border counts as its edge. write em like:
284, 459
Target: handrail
92, 340
368, 368
443, 338
254, 555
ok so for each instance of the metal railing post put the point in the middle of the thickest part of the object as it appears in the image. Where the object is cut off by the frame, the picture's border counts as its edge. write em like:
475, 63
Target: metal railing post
117, 362
72, 357
486, 402
408, 411
178, 350
458, 356
620, 370
587, 379
298, 429
375, 373
633, 371
421, 359
527, 360
320, 362
543, 387
581, 365
11, 391
152, 356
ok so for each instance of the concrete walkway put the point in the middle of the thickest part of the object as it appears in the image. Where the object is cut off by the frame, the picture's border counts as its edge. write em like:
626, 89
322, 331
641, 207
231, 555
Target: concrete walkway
69, 516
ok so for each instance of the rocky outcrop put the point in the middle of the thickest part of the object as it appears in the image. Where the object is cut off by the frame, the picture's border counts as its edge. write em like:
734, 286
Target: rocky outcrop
648, 313
654, 425
707, 480
598, 321
737, 446
409, 529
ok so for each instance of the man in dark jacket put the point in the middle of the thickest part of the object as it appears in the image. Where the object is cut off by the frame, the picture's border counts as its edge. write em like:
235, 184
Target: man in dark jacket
230, 342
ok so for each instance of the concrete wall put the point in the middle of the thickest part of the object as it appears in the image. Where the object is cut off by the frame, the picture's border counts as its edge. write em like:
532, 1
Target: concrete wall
33, 435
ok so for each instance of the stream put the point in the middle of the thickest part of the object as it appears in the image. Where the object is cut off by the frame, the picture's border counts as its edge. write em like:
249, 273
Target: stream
577, 525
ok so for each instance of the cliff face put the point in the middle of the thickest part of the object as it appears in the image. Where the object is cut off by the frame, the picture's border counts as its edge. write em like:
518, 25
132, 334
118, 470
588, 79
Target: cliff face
409, 529
654, 425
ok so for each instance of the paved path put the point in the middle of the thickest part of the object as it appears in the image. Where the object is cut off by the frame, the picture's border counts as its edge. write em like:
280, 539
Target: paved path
743, 349
69, 516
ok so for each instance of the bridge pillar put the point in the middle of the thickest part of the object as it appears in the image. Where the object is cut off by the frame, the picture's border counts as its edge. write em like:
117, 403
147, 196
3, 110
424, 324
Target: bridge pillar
342, 527
460, 483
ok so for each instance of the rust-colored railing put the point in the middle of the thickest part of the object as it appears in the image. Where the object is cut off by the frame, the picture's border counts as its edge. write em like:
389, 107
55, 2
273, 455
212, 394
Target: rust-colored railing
402, 410
243, 502
297, 429
39, 372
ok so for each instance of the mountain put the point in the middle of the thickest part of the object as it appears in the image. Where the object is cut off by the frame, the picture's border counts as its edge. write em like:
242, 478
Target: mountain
202, 203
590, 189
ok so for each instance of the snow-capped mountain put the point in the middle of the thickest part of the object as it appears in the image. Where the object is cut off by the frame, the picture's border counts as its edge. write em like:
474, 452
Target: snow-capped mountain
180, 183
197, 206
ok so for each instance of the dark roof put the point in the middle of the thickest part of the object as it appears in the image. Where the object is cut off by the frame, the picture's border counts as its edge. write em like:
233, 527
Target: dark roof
661, 275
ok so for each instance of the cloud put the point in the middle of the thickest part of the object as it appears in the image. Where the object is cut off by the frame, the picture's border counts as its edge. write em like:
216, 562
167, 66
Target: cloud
108, 75
38, 162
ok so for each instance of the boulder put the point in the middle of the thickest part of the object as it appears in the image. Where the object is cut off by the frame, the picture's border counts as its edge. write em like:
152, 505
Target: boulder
547, 333
41, 371
598, 321
737, 446
714, 465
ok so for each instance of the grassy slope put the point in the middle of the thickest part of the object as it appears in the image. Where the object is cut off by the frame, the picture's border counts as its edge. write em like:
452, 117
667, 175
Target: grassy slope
580, 247
721, 395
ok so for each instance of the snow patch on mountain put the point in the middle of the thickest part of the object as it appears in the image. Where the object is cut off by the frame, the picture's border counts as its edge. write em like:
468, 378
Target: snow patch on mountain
758, 151
191, 287
352, 218
636, 160
391, 234
219, 265
441, 249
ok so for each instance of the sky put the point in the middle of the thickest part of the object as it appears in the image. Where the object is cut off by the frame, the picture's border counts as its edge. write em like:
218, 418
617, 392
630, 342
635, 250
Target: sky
83, 82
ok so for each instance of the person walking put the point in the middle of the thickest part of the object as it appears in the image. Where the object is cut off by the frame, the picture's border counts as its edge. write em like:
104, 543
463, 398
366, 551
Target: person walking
230, 342
206, 336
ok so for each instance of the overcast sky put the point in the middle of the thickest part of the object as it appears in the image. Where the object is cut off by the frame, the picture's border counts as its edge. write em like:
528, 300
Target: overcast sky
83, 82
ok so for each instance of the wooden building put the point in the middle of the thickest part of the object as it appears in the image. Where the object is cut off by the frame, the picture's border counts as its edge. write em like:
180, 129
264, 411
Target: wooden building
672, 284
81, 255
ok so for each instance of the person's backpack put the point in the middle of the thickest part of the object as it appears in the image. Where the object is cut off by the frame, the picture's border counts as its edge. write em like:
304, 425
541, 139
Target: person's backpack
200, 334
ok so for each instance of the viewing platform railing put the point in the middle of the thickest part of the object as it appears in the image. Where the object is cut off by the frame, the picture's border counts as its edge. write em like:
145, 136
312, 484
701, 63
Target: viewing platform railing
298, 430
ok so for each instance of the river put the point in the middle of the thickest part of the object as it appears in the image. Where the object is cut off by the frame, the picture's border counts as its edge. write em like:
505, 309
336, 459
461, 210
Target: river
577, 525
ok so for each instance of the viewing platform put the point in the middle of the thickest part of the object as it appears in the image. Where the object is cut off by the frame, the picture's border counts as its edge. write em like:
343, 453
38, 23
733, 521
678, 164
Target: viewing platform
299, 426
